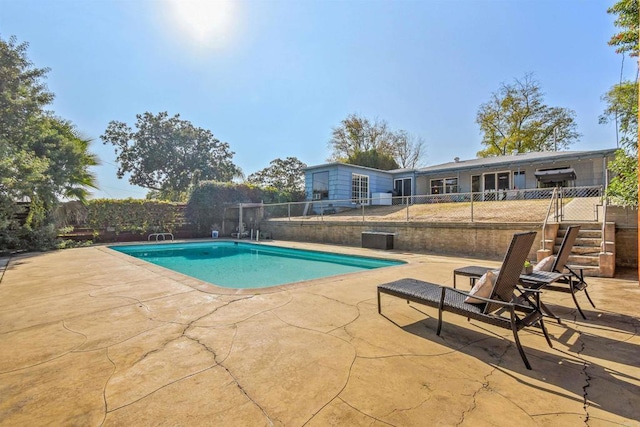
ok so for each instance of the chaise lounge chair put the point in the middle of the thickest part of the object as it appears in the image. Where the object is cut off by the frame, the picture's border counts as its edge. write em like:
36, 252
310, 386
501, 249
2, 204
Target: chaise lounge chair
502, 308
574, 279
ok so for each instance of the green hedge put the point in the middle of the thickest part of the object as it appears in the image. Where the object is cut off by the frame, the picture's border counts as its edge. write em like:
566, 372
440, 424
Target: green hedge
131, 215
209, 199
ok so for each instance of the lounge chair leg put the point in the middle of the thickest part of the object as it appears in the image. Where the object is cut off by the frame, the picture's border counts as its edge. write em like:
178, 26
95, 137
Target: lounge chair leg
379, 311
581, 275
440, 309
514, 328
589, 298
575, 300
544, 331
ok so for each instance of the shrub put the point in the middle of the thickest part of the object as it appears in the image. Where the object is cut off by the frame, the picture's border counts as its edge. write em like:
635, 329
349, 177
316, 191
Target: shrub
207, 203
132, 215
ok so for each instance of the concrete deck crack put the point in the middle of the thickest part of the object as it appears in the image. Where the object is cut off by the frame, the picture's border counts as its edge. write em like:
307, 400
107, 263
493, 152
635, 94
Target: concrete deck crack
53, 358
161, 387
587, 378
585, 368
337, 395
400, 410
219, 363
246, 394
104, 388
346, 382
484, 386
376, 419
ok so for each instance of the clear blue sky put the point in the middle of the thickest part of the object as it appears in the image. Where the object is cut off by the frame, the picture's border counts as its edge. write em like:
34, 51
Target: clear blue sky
272, 78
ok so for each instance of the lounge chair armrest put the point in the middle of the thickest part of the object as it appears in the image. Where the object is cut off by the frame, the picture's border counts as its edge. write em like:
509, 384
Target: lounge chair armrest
494, 301
529, 290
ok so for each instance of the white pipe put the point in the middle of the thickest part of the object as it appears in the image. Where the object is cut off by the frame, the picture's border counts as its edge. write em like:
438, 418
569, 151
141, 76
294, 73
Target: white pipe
257, 235
240, 227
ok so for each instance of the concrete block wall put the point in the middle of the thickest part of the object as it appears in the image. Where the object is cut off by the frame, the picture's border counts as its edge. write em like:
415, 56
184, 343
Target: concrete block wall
626, 220
626, 247
487, 241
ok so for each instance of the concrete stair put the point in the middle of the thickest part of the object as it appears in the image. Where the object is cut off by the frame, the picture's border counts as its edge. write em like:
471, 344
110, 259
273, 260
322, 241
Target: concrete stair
586, 252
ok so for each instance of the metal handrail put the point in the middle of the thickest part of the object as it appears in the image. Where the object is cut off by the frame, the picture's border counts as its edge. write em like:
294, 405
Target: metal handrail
546, 218
603, 245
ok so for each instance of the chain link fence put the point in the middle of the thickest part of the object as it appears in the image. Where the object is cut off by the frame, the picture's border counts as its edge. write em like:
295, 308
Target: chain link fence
522, 206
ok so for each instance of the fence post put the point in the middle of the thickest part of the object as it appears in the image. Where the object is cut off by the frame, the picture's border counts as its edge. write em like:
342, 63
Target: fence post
472, 206
362, 204
407, 209
289, 209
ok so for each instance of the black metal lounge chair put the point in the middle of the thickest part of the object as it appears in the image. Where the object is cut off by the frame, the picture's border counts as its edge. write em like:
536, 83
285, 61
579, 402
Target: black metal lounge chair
572, 277
501, 309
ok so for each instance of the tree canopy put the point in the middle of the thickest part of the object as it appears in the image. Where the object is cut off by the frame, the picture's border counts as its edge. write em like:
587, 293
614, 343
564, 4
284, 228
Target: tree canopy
42, 157
373, 159
516, 120
169, 155
360, 140
622, 109
626, 41
283, 175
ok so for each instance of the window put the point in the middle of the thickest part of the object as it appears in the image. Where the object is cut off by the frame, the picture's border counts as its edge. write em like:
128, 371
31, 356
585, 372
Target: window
518, 180
451, 185
444, 186
320, 185
475, 183
360, 189
496, 181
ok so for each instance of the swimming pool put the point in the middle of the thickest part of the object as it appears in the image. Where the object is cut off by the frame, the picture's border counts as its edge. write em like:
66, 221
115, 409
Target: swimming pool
245, 265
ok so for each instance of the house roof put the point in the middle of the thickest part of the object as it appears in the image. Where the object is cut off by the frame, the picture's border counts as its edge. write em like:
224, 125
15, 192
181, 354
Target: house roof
543, 157
348, 165
516, 159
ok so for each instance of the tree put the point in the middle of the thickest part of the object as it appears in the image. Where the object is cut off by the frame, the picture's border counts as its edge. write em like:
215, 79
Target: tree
68, 158
283, 175
626, 41
622, 108
209, 200
516, 120
42, 157
409, 150
373, 159
168, 155
358, 135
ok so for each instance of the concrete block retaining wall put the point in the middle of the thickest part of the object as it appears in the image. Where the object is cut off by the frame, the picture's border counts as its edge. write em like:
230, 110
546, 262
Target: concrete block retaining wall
479, 240
488, 241
626, 220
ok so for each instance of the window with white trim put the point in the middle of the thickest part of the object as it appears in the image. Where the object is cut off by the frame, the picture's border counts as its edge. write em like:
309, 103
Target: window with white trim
444, 186
360, 189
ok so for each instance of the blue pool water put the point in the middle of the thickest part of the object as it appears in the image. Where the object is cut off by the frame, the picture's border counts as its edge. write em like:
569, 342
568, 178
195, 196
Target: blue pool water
244, 265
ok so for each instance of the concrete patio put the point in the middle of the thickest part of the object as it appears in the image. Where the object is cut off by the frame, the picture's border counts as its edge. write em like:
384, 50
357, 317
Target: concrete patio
93, 337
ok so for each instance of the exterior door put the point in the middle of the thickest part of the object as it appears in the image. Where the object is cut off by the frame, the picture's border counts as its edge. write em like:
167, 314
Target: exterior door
402, 188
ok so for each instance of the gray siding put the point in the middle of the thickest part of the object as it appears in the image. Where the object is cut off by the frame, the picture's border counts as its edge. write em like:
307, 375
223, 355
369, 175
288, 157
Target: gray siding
589, 172
589, 166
